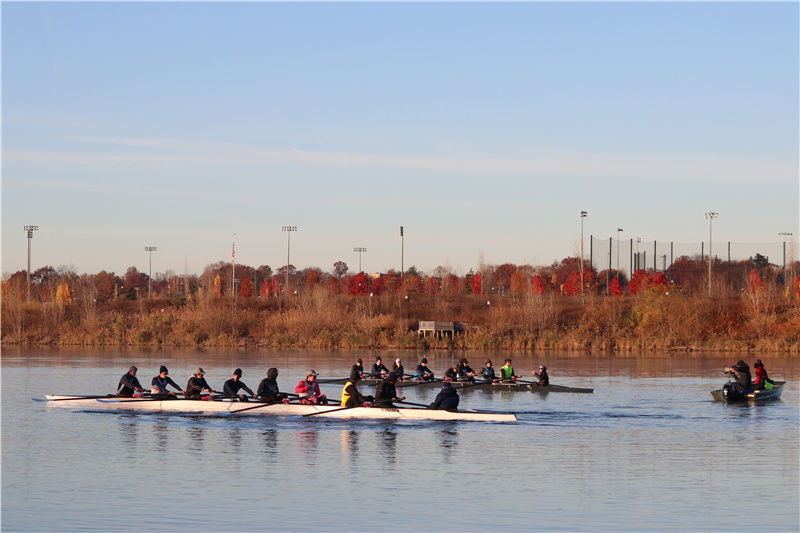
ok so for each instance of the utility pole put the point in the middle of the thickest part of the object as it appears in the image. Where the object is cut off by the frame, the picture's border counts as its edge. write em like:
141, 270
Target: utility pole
233, 268
710, 215
359, 249
583, 215
784, 234
30, 230
402, 252
150, 250
288, 230
619, 230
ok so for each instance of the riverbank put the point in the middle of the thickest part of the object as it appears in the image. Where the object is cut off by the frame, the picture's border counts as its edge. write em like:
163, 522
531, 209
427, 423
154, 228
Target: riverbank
646, 322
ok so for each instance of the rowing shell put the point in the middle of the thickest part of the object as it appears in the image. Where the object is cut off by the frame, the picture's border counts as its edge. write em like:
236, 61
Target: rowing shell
512, 386
278, 409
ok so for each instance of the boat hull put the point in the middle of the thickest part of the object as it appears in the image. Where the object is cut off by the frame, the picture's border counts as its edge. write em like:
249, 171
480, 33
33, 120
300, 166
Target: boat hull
279, 409
757, 396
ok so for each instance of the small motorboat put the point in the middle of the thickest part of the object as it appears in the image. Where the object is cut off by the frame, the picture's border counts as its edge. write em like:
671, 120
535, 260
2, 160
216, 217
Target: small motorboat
729, 394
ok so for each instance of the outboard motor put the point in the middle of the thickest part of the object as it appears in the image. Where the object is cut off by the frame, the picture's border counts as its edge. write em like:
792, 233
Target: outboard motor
731, 393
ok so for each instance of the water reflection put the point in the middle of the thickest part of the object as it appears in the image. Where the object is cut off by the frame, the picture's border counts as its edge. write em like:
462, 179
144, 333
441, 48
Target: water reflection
388, 443
350, 444
161, 434
128, 428
236, 439
448, 441
270, 439
306, 441
196, 437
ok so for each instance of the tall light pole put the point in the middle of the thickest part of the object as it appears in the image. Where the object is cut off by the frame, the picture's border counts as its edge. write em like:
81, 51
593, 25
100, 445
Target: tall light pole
637, 266
360, 250
784, 234
30, 230
619, 230
710, 215
288, 230
150, 250
402, 251
583, 215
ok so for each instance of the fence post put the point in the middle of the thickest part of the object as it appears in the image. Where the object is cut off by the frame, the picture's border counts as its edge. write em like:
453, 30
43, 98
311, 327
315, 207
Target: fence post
591, 241
729, 265
655, 257
631, 257
671, 258
608, 271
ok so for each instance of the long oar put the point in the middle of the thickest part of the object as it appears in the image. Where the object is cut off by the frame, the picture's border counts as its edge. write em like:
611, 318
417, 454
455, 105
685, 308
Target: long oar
332, 411
72, 399
258, 406
414, 404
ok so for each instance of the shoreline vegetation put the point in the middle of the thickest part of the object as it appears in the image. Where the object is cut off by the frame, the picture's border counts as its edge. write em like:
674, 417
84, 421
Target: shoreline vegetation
535, 311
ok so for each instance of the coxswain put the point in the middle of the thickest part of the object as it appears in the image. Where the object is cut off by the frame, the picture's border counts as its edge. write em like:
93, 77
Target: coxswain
507, 374
128, 384
358, 367
544, 379
488, 372
378, 370
386, 393
451, 374
423, 371
197, 387
158, 387
397, 369
234, 385
762, 381
465, 372
446, 399
268, 388
351, 397
308, 389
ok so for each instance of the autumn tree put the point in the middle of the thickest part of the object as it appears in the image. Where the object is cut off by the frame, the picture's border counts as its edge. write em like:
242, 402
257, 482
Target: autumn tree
359, 284
477, 281
537, 285
246, 288
615, 288
218, 292
63, 295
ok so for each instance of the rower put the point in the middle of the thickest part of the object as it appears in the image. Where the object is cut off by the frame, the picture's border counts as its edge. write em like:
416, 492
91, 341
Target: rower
351, 397
158, 387
197, 387
378, 370
358, 367
465, 372
423, 371
488, 372
544, 379
446, 399
268, 388
507, 374
451, 374
233, 385
386, 392
308, 389
128, 384
397, 369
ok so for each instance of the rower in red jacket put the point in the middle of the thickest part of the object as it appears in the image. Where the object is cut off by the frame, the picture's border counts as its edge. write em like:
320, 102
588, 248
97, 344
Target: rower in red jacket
308, 389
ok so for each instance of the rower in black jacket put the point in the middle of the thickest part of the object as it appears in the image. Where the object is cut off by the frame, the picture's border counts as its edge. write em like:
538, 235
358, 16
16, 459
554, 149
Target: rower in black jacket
358, 367
465, 372
128, 384
386, 393
234, 385
423, 371
197, 385
268, 388
451, 373
378, 370
446, 399
397, 369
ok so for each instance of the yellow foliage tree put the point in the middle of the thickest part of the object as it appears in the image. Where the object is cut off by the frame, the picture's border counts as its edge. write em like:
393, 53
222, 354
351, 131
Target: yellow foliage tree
218, 286
63, 294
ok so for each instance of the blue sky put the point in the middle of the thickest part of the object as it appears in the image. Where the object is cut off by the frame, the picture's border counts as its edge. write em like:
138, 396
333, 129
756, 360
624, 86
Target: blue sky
483, 129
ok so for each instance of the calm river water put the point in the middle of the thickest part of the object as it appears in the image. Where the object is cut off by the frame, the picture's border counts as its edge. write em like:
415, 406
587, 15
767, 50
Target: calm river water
648, 451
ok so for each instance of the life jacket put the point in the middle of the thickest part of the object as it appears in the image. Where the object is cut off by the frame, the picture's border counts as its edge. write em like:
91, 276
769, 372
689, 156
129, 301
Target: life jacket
506, 372
345, 394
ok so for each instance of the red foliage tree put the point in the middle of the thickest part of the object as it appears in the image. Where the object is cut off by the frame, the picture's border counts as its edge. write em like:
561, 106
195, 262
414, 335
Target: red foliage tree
754, 282
412, 284
502, 275
572, 285
538, 285
275, 286
659, 282
246, 288
358, 284
639, 281
264, 290
476, 283
431, 285
614, 287
378, 285
312, 278
451, 284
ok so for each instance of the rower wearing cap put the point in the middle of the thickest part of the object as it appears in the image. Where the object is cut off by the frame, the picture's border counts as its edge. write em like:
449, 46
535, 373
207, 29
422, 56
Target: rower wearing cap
507, 374
128, 384
158, 387
358, 367
233, 385
423, 371
544, 379
351, 397
397, 369
308, 389
378, 370
268, 388
488, 372
198, 386
386, 392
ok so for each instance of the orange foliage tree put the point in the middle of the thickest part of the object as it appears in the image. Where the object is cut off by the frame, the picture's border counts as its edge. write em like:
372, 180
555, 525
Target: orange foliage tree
246, 288
218, 287
477, 281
